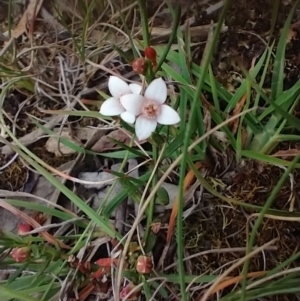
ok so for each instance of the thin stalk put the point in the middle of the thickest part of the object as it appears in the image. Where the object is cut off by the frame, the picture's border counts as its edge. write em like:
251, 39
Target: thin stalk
144, 22
205, 63
172, 37
260, 218
15, 294
275, 11
126, 29
9, 23
111, 189
152, 203
85, 29
53, 280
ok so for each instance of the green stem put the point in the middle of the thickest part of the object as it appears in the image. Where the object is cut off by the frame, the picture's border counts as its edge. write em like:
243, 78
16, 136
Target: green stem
171, 39
112, 187
13, 294
152, 203
85, 30
260, 218
276, 190
53, 280
144, 22
195, 102
127, 31
9, 21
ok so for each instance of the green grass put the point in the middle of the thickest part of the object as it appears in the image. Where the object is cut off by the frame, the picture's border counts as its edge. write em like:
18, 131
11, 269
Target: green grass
173, 149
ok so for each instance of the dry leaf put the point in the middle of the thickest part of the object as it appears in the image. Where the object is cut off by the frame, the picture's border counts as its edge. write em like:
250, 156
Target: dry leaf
96, 177
58, 148
104, 144
292, 34
244, 137
233, 281
155, 227
285, 154
237, 110
9, 221
29, 220
84, 134
187, 182
29, 15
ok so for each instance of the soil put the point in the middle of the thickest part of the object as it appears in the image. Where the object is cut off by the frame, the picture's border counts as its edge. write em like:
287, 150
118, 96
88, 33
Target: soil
216, 225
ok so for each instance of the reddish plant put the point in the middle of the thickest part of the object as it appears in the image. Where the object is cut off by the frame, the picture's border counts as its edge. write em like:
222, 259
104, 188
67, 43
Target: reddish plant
20, 254
127, 289
105, 266
139, 65
24, 228
150, 54
144, 264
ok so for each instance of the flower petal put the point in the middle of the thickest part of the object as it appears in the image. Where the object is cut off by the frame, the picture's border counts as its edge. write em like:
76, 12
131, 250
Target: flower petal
117, 87
157, 91
135, 88
132, 103
128, 117
144, 127
111, 107
167, 116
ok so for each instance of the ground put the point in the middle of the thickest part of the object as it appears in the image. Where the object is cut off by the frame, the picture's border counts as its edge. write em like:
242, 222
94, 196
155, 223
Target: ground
70, 64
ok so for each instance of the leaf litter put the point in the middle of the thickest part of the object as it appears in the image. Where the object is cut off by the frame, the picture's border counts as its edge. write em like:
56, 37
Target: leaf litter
213, 225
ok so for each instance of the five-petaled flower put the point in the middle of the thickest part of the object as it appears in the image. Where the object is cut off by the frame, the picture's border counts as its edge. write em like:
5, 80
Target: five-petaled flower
112, 106
150, 109
145, 110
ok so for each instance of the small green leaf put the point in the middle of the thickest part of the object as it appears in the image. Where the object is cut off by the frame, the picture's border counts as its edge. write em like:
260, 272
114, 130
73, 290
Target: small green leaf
147, 289
131, 189
122, 175
126, 147
162, 196
163, 292
127, 56
18, 272
151, 241
157, 139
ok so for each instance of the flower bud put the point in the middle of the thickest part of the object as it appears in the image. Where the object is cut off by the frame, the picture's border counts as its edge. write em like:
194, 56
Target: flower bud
40, 218
139, 65
20, 254
127, 289
24, 228
105, 266
150, 54
144, 264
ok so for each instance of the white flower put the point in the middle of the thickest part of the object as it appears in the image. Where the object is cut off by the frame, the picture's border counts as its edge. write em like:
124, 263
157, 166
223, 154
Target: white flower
112, 106
150, 109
